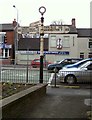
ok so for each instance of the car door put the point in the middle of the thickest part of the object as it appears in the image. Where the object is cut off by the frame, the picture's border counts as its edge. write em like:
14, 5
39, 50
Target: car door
85, 72
37, 63
89, 71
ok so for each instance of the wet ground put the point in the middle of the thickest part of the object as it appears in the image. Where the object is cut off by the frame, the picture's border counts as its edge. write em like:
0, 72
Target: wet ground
60, 102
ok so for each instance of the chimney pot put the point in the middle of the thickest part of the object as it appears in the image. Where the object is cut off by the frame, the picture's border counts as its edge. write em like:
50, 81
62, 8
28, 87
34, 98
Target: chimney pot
14, 23
73, 22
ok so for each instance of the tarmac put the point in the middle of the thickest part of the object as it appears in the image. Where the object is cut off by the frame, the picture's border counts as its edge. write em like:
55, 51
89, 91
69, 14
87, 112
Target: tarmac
59, 102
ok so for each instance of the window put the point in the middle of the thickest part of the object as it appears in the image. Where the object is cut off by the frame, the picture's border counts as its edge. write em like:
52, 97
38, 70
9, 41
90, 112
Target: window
90, 43
81, 55
66, 41
5, 53
90, 55
89, 67
53, 37
37, 60
53, 41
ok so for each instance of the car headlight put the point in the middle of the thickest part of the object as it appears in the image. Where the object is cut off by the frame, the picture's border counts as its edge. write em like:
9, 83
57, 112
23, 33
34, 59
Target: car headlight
62, 73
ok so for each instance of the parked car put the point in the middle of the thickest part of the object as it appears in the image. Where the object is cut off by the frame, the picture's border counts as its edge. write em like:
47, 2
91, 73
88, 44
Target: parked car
62, 63
78, 63
57, 61
83, 73
36, 63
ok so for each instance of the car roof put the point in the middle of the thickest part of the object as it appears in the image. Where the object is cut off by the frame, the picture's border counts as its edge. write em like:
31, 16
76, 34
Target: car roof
70, 59
75, 68
77, 63
73, 59
86, 63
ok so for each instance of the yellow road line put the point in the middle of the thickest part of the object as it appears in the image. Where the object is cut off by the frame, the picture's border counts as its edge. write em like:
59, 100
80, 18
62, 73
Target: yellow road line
71, 86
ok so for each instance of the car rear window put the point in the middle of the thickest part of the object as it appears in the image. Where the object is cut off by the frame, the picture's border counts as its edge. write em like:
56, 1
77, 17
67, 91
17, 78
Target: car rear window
75, 60
71, 60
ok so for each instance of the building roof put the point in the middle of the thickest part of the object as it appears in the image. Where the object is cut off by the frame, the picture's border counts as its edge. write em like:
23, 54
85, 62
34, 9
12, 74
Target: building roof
72, 28
84, 32
32, 44
6, 27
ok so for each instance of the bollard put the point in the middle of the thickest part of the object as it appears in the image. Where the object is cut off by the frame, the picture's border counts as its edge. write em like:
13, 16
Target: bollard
55, 77
55, 71
27, 74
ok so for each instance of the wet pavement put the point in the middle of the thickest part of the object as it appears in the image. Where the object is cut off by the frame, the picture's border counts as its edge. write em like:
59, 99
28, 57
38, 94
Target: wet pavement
60, 102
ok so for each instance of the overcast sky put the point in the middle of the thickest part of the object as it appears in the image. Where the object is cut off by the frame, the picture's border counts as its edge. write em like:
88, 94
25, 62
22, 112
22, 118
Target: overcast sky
28, 11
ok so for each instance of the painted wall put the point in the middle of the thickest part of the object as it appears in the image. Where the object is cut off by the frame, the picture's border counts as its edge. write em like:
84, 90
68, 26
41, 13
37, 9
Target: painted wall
71, 47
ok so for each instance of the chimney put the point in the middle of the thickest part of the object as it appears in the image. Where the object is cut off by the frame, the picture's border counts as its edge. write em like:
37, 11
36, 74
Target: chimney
14, 23
73, 22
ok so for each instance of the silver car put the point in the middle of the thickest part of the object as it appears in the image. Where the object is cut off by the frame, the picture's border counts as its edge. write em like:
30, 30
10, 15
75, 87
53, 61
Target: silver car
72, 75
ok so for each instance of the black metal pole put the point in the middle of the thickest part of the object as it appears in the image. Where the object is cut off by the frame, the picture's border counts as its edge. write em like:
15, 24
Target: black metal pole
42, 10
41, 51
41, 69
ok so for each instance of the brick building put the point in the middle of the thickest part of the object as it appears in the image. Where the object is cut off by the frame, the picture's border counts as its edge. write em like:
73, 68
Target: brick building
7, 36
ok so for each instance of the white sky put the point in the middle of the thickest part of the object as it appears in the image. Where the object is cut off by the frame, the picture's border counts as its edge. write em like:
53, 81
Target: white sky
28, 11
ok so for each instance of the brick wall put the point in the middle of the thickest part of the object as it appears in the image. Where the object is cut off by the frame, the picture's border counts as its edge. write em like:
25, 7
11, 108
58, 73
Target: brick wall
5, 62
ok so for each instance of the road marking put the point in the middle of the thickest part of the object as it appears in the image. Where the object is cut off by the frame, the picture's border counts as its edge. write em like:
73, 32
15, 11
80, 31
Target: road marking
71, 86
89, 115
88, 102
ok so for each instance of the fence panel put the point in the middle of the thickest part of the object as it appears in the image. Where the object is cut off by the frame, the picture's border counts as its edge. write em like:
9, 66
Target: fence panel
22, 75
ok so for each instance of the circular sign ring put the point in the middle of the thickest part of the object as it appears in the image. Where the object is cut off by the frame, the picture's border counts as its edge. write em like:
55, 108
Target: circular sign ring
42, 10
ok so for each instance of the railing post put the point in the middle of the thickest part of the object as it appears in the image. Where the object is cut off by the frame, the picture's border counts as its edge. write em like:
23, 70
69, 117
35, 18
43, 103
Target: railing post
27, 65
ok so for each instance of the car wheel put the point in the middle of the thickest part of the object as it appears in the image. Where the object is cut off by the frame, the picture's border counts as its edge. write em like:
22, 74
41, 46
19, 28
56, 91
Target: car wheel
34, 66
70, 79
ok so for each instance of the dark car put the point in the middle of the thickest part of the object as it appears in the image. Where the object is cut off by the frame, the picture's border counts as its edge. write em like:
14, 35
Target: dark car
36, 63
62, 63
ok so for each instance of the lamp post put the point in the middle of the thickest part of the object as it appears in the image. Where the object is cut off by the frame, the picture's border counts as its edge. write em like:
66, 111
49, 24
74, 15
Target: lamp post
16, 38
42, 10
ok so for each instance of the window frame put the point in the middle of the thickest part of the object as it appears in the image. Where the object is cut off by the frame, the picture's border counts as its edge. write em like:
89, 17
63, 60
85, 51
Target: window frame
90, 41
